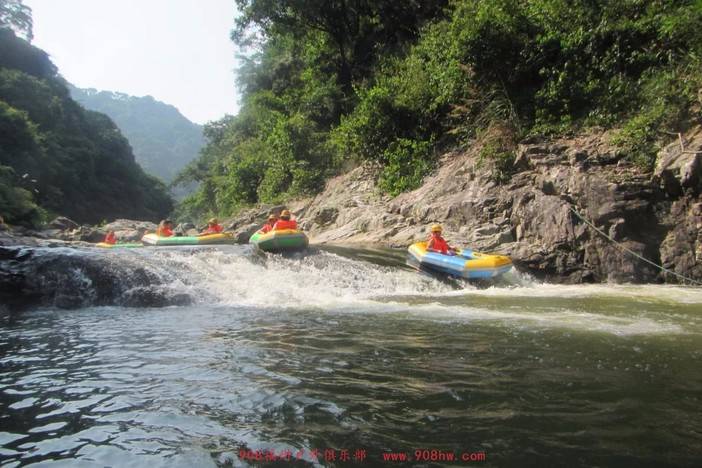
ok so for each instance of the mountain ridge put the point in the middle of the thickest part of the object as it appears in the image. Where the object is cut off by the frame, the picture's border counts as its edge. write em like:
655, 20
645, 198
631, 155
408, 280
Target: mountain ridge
164, 141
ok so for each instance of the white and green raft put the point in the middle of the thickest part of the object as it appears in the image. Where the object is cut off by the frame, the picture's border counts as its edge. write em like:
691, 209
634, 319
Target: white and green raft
284, 240
210, 239
119, 245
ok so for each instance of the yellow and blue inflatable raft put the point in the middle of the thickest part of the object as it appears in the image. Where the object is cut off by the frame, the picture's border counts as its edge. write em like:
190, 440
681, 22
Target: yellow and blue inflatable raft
466, 263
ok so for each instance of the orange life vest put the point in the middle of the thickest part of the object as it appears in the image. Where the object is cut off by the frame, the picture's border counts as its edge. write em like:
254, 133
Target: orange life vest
285, 224
216, 229
437, 244
164, 232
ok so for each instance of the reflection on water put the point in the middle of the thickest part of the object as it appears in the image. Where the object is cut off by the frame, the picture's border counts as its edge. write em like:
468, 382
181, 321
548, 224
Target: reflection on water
528, 375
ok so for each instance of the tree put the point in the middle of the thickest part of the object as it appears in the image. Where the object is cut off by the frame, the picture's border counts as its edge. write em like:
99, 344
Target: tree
18, 17
358, 31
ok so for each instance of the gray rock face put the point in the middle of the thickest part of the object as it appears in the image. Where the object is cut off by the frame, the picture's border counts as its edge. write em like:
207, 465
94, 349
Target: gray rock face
679, 165
533, 217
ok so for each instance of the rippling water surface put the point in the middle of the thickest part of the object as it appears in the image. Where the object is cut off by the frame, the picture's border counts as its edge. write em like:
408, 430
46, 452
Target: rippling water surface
335, 353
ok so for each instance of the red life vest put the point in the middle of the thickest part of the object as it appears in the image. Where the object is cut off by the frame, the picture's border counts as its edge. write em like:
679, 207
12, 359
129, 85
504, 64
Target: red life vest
437, 244
267, 228
164, 232
285, 224
110, 238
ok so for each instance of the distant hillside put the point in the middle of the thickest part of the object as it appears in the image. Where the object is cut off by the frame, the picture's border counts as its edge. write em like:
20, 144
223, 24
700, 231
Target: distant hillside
58, 158
163, 140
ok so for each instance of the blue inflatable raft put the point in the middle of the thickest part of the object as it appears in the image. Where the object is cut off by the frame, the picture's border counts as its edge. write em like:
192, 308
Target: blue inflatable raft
465, 264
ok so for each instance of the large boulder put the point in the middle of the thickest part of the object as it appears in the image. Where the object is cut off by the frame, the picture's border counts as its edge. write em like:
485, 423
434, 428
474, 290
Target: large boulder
89, 234
128, 230
63, 223
186, 229
243, 233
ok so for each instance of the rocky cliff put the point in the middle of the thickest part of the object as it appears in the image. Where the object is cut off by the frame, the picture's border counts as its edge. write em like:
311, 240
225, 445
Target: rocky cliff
534, 217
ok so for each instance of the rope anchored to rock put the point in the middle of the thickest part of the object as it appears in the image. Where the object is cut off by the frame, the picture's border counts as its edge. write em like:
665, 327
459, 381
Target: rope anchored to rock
629, 251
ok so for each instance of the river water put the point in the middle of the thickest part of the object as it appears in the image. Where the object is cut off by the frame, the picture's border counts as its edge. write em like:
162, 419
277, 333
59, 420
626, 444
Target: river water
345, 357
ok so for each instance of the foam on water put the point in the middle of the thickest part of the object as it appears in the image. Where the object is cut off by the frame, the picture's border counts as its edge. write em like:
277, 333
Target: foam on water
561, 319
318, 280
335, 284
663, 293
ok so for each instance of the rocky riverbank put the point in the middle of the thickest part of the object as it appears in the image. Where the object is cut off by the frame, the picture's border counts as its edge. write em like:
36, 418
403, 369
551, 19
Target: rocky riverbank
535, 217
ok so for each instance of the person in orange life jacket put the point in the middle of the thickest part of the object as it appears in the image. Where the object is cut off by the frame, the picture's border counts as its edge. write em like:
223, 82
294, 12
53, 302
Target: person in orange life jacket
110, 238
165, 228
268, 227
437, 243
285, 222
213, 227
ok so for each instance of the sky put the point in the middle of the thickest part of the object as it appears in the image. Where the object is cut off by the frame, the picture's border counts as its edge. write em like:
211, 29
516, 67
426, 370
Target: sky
177, 51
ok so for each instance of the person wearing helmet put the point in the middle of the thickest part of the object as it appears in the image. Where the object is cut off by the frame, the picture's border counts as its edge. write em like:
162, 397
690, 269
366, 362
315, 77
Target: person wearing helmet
110, 238
437, 243
165, 228
268, 227
213, 227
285, 222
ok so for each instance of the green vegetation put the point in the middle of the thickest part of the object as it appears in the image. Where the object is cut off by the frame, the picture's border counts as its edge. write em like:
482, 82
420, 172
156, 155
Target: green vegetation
163, 140
58, 158
331, 84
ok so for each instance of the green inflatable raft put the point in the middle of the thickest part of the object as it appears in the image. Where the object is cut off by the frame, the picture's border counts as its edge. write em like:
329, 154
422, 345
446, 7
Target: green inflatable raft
285, 240
222, 238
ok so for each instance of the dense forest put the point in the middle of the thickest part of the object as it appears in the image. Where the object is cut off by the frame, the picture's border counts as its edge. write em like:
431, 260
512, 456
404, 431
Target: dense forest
162, 139
55, 156
329, 84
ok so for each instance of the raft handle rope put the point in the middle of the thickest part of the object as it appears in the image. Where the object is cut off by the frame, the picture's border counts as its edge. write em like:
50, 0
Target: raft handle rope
625, 249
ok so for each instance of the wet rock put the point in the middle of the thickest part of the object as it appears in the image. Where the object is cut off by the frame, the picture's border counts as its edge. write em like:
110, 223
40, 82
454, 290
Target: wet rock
148, 296
71, 278
244, 233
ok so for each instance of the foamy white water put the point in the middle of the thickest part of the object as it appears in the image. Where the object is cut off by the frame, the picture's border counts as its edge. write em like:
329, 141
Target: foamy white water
334, 284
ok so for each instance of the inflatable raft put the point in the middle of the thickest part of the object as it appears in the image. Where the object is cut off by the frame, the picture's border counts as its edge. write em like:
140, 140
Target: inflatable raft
284, 240
466, 263
221, 238
123, 245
